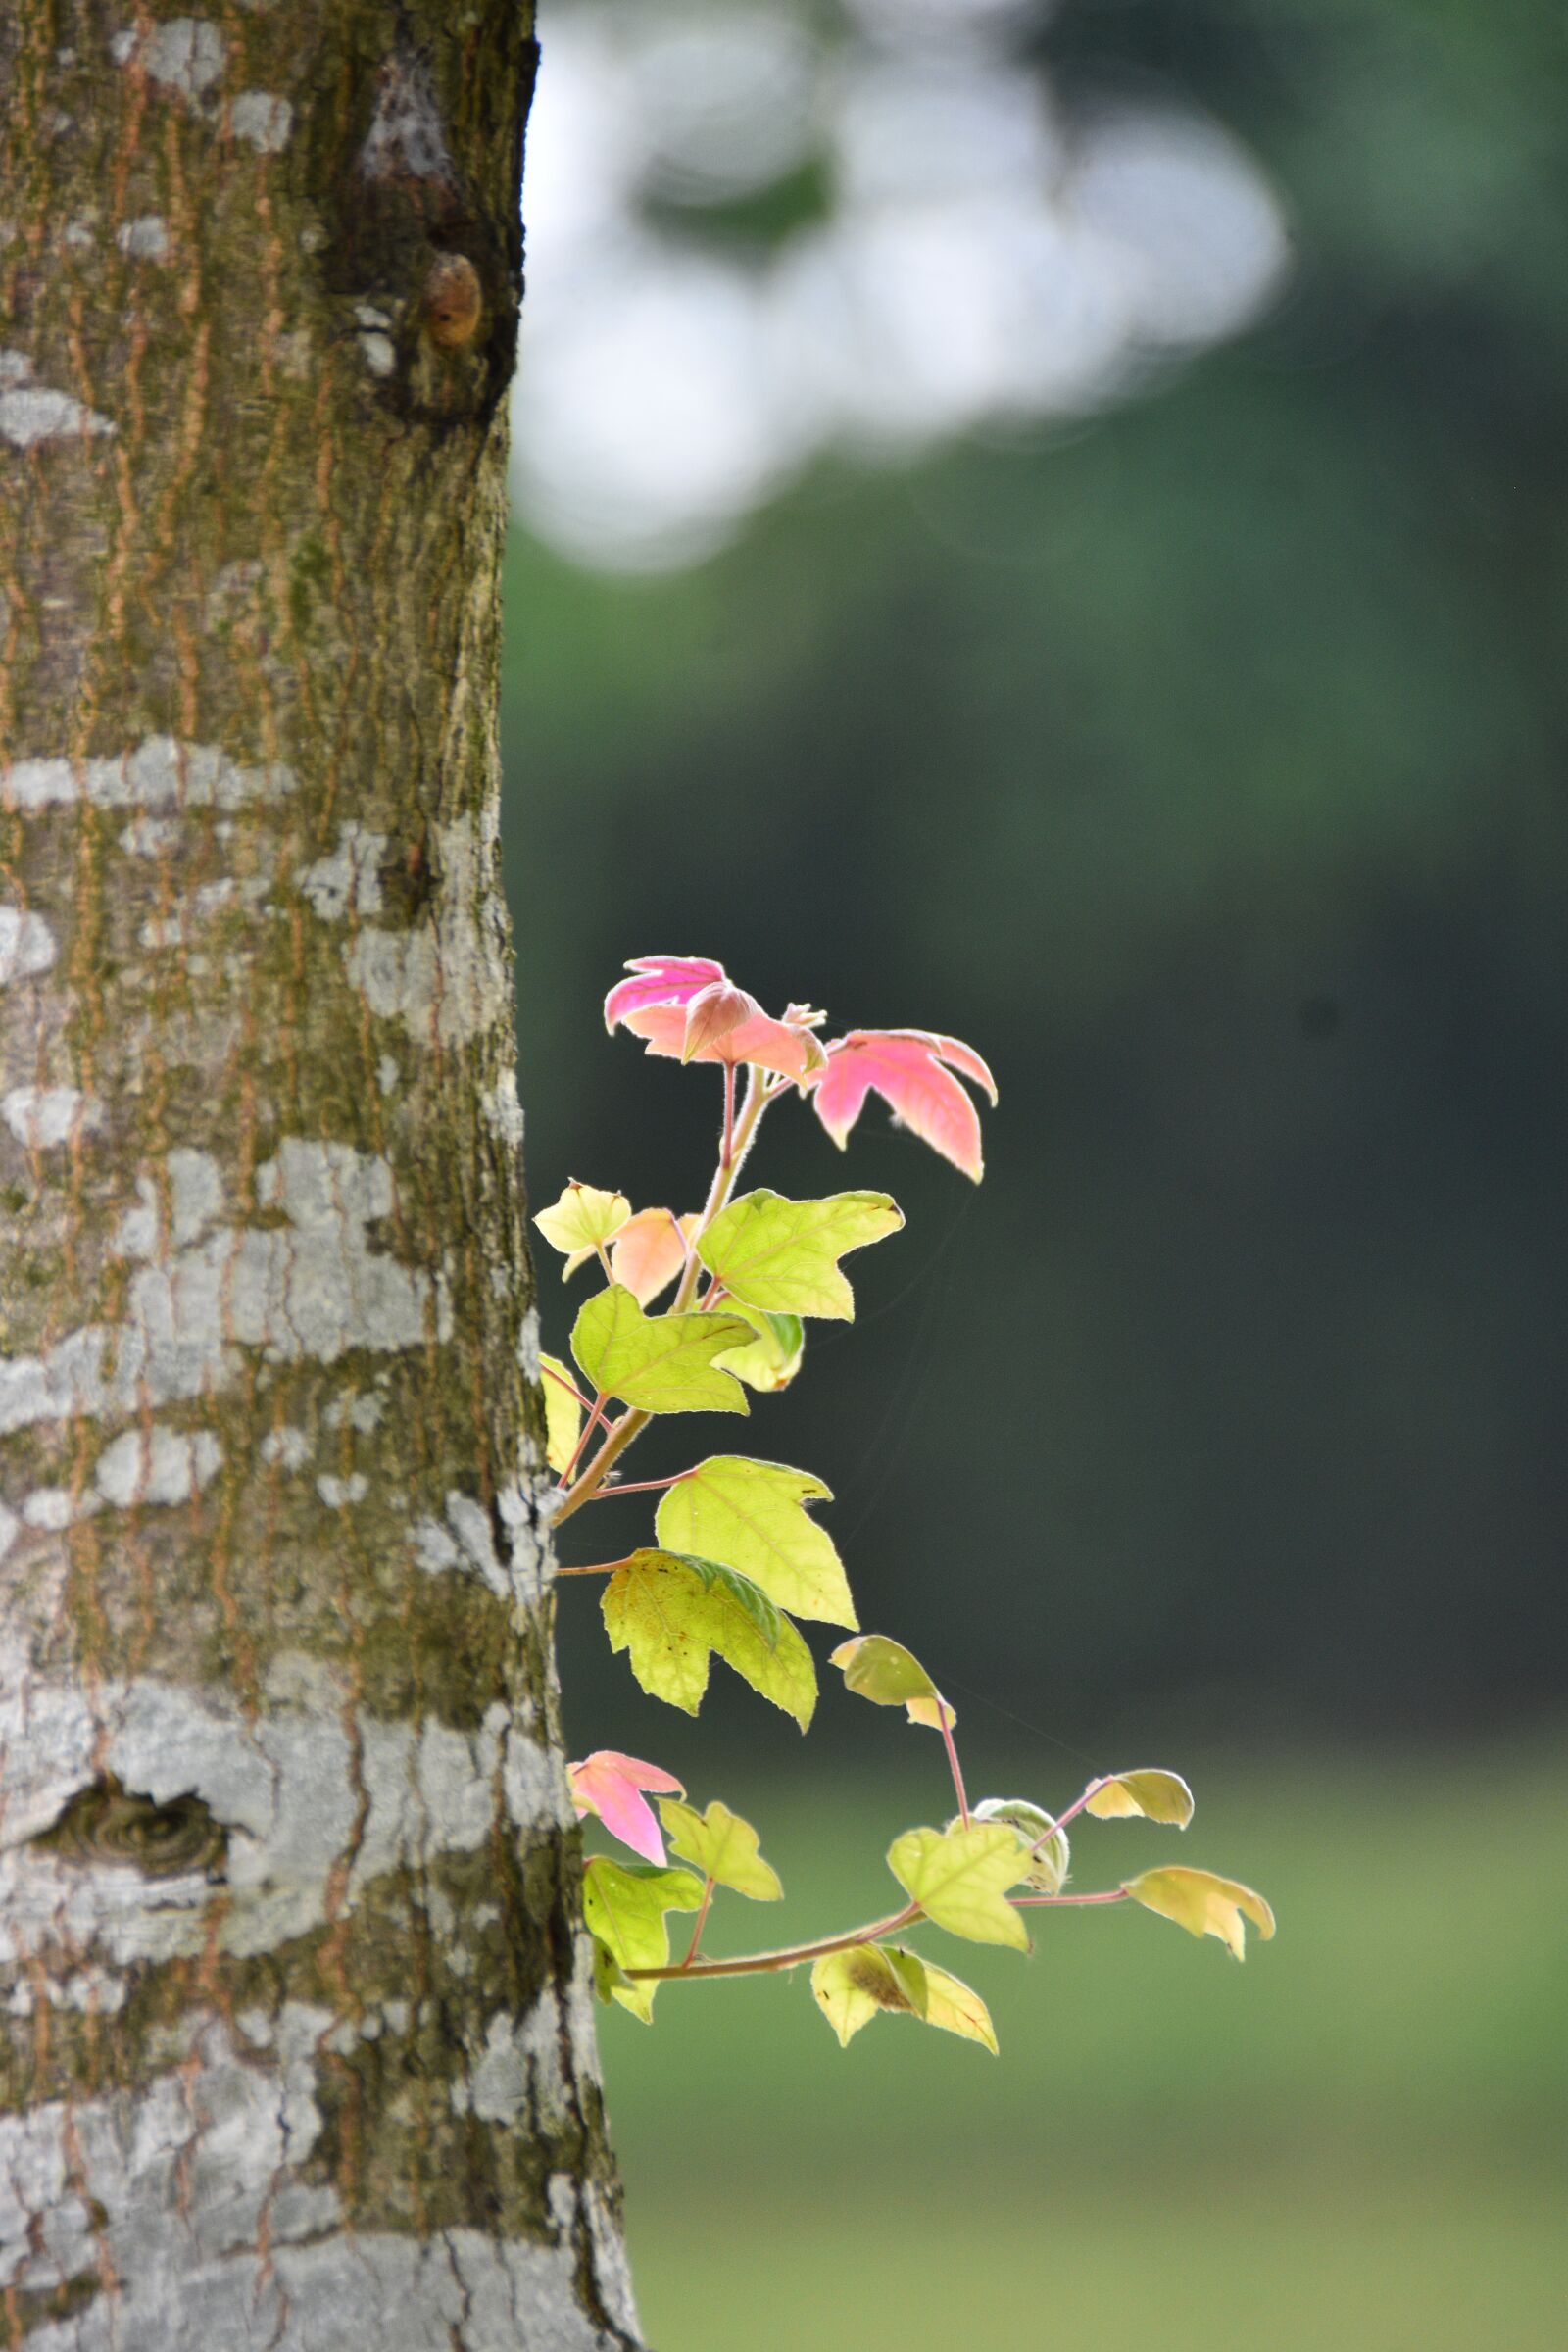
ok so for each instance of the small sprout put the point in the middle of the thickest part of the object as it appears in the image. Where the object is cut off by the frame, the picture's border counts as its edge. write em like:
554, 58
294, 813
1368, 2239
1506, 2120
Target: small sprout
1047, 1870
582, 1220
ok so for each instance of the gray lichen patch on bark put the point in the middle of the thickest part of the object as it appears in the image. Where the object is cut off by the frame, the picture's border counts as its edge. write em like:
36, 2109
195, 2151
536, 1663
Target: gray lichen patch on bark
295, 2044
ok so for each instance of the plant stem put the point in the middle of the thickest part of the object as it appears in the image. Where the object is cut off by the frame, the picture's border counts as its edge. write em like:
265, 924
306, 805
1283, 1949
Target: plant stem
726, 1143
1037, 1902
1073, 1810
702, 1921
631, 1424
792, 1955
639, 1485
953, 1760
599, 1567
595, 1414
570, 1385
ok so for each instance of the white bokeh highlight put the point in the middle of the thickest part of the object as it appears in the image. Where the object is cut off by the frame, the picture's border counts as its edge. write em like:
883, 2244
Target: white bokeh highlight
983, 259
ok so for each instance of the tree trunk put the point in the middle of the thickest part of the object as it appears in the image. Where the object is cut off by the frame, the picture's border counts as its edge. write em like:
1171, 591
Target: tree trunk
295, 2038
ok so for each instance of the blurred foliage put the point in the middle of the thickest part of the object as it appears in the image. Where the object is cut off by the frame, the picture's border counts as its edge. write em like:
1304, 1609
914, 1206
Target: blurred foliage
1202, 763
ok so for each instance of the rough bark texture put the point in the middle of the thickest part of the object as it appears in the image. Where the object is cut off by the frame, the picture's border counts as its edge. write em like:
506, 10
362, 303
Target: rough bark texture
295, 2046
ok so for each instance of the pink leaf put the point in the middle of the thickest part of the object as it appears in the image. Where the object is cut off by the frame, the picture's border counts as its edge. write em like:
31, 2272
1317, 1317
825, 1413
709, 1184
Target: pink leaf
660, 980
608, 1783
773, 1045
904, 1066
713, 1014
647, 1254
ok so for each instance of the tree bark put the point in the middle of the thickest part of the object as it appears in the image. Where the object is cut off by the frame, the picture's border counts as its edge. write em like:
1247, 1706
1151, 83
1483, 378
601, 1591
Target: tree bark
296, 2043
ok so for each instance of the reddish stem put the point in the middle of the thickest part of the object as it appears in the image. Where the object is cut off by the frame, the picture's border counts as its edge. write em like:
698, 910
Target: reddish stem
792, 1955
1073, 1811
726, 1150
639, 1485
587, 1430
1036, 1902
953, 1760
702, 1921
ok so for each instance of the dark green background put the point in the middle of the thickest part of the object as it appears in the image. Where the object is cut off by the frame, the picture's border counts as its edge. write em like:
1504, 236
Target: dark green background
1204, 766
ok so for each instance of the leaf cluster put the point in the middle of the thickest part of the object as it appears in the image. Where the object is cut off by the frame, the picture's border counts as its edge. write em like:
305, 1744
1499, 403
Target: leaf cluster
737, 1555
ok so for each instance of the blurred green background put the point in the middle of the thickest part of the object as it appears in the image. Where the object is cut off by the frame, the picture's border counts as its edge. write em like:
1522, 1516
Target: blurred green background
1200, 757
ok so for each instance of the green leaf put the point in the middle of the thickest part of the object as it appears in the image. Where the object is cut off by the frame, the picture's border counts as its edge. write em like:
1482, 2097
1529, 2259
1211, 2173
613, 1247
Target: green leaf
1047, 1870
609, 1975
670, 1612
1203, 1904
659, 1363
1148, 1796
957, 2008
852, 1987
752, 1516
960, 1878
774, 1358
849, 1987
624, 1909
583, 1218
723, 1848
782, 1255
563, 1414
891, 1676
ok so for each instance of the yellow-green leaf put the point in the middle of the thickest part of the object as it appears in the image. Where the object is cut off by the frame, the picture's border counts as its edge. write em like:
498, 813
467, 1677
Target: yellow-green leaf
774, 1358
1203, 1904
562, 1412
659, 1363
669, 1613
852, 1987
723, 1848
959, 1878
1047, 1863
957, 2008
1145, 1795
624, 1909
583, 1218
752, 1516
882, 1670
782, 1255
849, 1987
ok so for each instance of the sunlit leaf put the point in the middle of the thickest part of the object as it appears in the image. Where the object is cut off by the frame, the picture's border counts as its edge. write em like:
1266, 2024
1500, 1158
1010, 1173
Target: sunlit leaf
852, 1987
1145, 1795
610, 1784
669, 1613
1047, 1870
583, 1218
905, 1068
849, 1987
647, 1254
562, 1412
688, 1007
610, 1976
723, 1848
752, 1516
660, 980
882, 1670
957, 2008
774, 1358
624, 1909
661, 1363
1203, 1904
959, 1878
782, 1255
